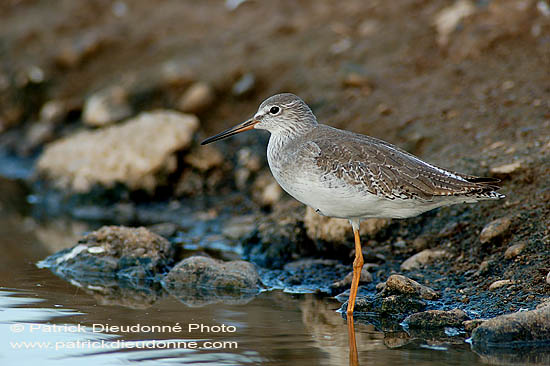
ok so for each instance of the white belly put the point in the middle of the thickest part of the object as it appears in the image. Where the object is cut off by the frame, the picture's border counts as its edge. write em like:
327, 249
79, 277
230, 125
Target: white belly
347, 202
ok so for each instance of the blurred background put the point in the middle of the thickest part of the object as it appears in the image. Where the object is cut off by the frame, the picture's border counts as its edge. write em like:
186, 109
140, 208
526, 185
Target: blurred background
103, 104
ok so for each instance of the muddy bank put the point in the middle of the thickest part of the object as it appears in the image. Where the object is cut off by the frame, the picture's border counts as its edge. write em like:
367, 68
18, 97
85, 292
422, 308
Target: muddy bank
463, 85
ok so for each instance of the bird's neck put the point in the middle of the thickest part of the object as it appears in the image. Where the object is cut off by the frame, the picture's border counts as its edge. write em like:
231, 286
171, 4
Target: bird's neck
287, 133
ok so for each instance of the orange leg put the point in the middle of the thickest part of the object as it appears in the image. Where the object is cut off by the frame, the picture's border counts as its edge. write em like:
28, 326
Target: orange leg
357, 267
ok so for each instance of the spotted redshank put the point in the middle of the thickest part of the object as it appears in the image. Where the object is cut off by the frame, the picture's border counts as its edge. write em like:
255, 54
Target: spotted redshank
348, 175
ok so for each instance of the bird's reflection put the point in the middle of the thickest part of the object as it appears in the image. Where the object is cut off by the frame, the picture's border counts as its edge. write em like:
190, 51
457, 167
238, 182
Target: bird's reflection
353, 359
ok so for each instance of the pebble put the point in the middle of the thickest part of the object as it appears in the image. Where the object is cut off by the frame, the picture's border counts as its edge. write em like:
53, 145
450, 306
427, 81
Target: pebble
239, 226
514, 250
447, 19
244, 85
500, 283
548, 278
53, 111
423, 258
106, 107
330, 229
494, 229
507, 169
76, 51
401, 285
470, 325
265, 190
196, 98
366, 277
204, 158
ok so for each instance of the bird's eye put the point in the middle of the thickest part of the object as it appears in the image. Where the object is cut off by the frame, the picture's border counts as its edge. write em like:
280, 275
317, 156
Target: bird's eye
274, 110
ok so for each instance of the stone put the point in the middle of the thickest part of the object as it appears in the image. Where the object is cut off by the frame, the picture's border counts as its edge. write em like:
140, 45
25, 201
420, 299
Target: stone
436, 319
204, 158
422, 258
196, 98
447, 19
500, 283
38, 134
265, 190
53, 111
521, 328
396, 306
338, 230
548, 278
507, 169
366, 277
137, 153
280, 237
401, 285
514, 250
495, 229
113, 252
76, 51
470, 325
106, 107
238, 227
209, 273
245, 85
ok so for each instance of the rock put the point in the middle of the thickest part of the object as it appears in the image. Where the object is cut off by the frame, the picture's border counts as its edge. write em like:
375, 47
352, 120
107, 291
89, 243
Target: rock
137, 153
280, 237
106, 106
514, 250
401, 285
521, 329
507, 169
209, 273
338, 230
548, 278
484, 267
53, 111
196, 98
355, 80
495, 229
238, 227
204, 158
245, 85
307, 276
38, 134
500, 283
395, 306
366, 277
470, 325
265, 190
437, 319
76, 51
447, 19
423, 258
420, 243
118, 252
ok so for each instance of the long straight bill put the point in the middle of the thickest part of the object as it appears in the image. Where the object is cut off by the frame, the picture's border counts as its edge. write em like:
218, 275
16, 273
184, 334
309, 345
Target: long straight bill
241, 127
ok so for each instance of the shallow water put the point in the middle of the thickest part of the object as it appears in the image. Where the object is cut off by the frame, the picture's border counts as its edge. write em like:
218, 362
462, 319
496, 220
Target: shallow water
46, 320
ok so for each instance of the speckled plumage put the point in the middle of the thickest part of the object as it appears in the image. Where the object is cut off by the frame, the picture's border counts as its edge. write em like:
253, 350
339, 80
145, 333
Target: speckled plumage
348, 175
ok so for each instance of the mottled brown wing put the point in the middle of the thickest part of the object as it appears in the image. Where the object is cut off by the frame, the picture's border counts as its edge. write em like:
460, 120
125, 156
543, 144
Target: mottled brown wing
385, 170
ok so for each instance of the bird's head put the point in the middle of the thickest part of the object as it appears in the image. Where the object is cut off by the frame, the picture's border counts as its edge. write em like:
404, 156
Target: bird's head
281, 114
